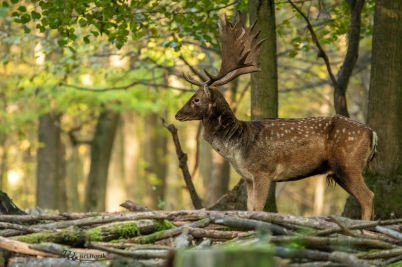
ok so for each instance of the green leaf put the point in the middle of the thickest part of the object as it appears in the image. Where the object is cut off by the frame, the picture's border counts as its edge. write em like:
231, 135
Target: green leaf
86, 40
95, 33
5, 4
22, 9
45, 22
62, 42
119, 45
82, 23
72, 49
35, 15
40, 27
14, 1
25, 18
15, 14
26, 29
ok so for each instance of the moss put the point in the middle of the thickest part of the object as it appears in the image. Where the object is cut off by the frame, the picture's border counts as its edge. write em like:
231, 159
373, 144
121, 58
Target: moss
94, 214
387, 193
163, 225
70, 234
149, 238
36, 238
127, 229
94, 234
305, 231
396, 264
118, 241
259, 247
260, 255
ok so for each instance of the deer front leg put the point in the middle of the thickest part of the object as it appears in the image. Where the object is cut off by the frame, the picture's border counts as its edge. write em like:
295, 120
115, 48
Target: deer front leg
250, 195
261, 189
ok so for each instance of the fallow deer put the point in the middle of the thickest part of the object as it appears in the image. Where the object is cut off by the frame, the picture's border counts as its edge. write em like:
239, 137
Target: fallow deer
277, 150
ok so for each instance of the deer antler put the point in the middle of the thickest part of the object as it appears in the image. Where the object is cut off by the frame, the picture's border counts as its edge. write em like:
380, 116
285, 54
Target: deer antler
191, 80
240, 51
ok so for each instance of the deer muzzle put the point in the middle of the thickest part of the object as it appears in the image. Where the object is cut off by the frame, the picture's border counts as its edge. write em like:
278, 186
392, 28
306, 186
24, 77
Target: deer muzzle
180, 117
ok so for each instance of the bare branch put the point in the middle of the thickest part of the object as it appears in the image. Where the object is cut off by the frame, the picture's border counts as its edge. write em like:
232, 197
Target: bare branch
321, 52
340, 84
183, 165
126, 87
199, 74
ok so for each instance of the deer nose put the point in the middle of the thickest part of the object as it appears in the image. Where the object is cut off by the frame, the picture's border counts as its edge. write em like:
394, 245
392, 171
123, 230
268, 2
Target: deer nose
177, 115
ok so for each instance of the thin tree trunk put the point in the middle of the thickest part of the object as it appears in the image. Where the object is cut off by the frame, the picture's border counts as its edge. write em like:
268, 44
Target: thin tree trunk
131, 156
75, 171
3, 162
51, 164
319, 196
385, 112
218, 178
155, 146
101, 148
116, 192
264, 85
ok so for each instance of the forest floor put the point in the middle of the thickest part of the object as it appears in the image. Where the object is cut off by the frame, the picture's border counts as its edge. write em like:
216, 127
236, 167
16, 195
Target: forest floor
140, 237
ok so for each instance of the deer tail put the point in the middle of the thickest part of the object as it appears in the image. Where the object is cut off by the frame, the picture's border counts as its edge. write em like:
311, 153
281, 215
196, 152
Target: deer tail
373, 150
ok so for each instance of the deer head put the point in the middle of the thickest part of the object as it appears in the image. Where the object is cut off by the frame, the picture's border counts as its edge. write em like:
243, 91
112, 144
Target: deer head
240, 51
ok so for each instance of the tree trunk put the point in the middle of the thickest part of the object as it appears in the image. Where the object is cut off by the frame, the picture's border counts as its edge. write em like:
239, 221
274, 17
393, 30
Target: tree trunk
101, 148
218, 178
131, 156
264, 84
385, 112
3, 162
116, 191
155, 146
50, 193
264, 96
75, 174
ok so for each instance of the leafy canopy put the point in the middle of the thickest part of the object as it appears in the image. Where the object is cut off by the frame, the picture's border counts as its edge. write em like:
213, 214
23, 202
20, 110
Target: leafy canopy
120, 20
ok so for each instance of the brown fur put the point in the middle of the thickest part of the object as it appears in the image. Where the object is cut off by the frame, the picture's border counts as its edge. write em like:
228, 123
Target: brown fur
267, 150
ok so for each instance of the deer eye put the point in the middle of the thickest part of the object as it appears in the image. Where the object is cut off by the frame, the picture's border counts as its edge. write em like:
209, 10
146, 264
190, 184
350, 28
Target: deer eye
196, 100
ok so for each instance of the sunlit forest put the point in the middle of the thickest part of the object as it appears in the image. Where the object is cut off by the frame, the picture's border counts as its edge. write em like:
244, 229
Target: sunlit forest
80, 109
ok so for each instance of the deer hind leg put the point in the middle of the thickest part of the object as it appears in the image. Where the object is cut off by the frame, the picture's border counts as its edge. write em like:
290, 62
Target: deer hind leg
356, 187
250, 195
261, 189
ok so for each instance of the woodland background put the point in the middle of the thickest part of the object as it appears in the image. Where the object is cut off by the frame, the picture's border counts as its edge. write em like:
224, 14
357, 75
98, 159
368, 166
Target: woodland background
84, 83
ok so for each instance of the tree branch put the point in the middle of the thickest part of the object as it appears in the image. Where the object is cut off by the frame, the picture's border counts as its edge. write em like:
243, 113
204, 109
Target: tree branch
183, 165
125, 87
340, 84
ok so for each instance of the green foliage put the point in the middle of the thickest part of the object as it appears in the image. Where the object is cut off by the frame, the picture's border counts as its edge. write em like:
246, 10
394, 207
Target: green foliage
122, 20
330, 20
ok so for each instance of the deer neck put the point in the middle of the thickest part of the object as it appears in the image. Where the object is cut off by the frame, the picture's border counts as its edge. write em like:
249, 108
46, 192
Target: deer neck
219, 126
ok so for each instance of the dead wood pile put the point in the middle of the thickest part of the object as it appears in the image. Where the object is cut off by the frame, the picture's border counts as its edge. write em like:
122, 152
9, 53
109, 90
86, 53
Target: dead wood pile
146, 238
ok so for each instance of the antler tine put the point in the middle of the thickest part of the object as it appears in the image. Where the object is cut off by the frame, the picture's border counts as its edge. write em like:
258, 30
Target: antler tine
191, 80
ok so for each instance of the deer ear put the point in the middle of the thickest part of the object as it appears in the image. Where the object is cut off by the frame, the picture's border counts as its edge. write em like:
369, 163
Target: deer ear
206, 91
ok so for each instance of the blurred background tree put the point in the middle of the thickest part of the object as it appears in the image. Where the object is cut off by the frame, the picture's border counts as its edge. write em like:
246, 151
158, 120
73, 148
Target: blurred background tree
84, 82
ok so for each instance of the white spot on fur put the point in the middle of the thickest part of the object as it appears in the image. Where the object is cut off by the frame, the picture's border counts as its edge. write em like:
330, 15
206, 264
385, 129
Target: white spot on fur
343, 130
351, 138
